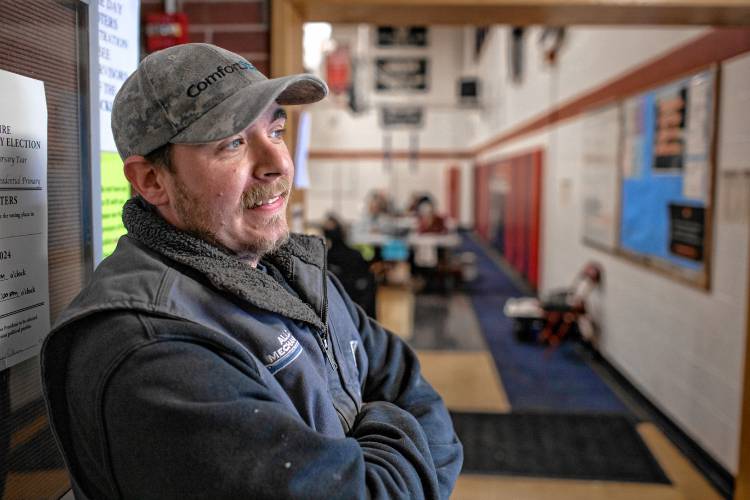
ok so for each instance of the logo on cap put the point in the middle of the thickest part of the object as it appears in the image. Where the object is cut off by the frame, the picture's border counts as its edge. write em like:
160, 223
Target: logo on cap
197, 88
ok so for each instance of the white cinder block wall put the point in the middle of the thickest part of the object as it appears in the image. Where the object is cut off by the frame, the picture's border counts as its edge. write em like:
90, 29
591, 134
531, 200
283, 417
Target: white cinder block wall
683, 347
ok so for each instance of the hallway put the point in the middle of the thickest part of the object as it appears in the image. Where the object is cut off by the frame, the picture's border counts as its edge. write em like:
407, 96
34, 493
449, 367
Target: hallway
455, 337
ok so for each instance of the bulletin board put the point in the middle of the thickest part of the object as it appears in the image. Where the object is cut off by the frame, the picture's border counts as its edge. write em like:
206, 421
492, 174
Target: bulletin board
661, 172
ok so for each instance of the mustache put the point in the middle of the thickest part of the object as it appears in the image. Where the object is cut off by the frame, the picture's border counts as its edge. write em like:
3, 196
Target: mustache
262, 192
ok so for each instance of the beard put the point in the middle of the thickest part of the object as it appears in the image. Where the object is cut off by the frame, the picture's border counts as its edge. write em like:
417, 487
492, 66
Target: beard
203, 221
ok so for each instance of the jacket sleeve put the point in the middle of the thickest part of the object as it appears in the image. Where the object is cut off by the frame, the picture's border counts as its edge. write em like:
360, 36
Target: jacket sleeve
182, 421
393, 375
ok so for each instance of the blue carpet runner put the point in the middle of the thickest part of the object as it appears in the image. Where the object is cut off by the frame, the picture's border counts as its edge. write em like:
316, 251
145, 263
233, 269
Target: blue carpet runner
534, 378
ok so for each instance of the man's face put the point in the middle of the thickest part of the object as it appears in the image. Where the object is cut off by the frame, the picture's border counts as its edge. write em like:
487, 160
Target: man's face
234, 191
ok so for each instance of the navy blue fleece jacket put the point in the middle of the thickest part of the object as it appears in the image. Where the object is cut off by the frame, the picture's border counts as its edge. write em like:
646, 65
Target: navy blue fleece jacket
180, 372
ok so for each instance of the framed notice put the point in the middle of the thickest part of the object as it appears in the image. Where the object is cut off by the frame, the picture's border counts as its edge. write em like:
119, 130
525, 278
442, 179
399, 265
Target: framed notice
24, 282
600, 180
401, 74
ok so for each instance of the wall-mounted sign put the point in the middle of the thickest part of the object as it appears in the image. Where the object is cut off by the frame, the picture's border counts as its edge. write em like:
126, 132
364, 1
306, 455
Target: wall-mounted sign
600, 176
656, 208
118, 58
401, 74
402, 36
667, 173
24, 284
402, 117
686, 231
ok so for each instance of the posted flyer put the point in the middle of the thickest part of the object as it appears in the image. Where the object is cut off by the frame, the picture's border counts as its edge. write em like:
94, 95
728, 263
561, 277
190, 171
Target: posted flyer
24, 284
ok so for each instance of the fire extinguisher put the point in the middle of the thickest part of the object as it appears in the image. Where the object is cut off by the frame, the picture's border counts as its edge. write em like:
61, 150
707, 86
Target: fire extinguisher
165, 29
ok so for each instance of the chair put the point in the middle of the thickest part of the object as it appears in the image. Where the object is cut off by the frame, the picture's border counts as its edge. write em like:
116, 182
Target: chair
557, 315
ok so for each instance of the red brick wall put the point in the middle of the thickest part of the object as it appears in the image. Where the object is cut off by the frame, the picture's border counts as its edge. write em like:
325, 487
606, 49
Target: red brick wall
241, 26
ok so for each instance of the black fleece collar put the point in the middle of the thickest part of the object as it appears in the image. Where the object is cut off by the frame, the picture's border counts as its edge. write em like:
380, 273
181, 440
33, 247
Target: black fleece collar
223, 269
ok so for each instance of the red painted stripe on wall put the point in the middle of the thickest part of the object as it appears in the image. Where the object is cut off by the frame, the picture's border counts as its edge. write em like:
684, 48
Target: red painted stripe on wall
395, 155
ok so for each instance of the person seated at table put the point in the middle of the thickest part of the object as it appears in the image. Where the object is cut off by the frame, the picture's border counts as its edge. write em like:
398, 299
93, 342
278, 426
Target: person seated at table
414, 200
379, 214
349, 266
428, 220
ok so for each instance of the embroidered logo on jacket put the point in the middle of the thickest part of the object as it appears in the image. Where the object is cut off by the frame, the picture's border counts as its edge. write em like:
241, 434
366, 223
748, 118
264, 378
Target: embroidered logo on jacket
288, 351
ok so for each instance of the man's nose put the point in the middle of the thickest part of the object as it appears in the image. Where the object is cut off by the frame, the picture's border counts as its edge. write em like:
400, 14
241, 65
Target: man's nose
270, 159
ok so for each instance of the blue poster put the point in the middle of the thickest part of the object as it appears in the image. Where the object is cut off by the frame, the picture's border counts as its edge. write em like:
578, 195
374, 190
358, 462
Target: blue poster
666, 167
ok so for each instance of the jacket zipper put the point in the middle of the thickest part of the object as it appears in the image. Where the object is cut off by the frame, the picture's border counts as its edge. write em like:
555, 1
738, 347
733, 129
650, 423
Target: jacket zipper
325, 332
327, 349
324, 314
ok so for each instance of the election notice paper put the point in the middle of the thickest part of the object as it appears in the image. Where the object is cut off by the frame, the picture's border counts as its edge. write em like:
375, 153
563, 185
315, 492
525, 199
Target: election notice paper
24, 285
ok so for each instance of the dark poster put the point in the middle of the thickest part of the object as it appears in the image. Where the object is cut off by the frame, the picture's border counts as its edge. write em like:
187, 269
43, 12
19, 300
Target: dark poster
402, 36
686, 230
401, 73
401, 117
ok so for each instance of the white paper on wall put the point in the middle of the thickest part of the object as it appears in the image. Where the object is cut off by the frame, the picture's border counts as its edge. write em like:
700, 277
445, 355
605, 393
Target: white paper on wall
599, 183
735, 196
24, 285
119, 31
695, 174
695, 179
301, 176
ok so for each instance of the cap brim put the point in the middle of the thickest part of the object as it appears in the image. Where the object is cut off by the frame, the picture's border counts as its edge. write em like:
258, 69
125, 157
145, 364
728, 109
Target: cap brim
238, 111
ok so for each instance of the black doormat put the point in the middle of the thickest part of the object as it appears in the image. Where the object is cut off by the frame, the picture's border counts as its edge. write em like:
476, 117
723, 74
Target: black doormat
596, 447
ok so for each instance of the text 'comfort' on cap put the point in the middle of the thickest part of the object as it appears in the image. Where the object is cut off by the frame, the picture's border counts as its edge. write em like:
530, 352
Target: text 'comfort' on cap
197, 93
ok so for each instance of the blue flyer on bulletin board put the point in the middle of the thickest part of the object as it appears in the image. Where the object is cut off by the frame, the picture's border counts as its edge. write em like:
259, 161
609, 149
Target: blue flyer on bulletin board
667, 172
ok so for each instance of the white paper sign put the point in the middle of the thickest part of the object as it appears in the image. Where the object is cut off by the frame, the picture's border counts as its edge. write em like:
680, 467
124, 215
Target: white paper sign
301, 176
118, 57
695, 176
601, 149
24, 285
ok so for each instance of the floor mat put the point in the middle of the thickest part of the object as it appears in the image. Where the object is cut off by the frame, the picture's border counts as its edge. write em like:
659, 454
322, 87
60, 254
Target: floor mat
564, 446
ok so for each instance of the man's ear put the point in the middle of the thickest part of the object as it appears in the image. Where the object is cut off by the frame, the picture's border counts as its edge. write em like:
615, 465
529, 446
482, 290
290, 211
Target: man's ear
147, 179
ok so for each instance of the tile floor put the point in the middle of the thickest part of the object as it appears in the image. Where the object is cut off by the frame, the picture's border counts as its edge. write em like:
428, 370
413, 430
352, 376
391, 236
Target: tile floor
468, 381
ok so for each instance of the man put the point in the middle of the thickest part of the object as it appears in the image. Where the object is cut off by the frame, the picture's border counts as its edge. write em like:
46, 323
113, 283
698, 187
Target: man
212, 356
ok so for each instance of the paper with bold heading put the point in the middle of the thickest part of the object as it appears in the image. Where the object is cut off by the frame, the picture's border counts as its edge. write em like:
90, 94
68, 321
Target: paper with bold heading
24, 283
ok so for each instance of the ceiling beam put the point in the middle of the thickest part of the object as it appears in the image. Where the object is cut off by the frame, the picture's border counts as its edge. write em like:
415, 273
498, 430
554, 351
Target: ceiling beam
518, 12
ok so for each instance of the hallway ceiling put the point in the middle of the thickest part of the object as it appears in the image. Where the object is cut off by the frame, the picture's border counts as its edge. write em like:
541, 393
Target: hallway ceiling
524, 12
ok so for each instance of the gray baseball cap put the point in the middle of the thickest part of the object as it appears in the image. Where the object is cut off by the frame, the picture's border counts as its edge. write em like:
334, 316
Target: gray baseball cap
196, 93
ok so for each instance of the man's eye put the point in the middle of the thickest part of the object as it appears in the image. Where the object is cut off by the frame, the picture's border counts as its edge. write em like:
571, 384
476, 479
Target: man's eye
233, 144
278, 133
